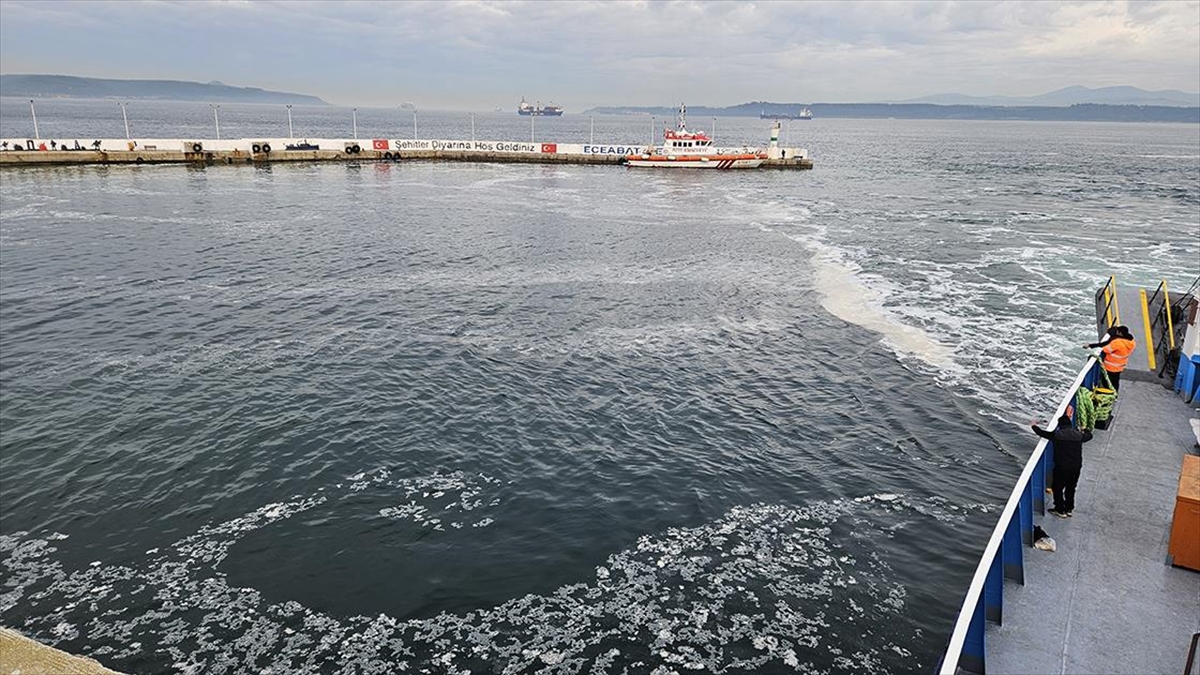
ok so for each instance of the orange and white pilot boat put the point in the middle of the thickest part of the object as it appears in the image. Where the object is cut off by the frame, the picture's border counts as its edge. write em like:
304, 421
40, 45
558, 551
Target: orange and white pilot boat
694, 150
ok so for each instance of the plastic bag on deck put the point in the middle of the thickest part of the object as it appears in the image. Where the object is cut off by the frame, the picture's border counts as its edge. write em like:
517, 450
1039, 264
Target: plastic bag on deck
1042, 540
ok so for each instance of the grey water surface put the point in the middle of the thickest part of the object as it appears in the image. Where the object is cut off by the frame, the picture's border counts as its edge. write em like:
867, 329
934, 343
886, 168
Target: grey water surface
439, 417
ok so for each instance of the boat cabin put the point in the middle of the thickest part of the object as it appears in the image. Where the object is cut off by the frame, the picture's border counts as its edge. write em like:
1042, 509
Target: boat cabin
680, 141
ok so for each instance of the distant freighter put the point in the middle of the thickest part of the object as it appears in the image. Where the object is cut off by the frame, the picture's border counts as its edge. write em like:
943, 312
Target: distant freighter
539, 110
804, 114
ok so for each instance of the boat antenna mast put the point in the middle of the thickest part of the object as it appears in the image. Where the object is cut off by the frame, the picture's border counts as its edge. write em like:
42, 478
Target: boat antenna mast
682, 124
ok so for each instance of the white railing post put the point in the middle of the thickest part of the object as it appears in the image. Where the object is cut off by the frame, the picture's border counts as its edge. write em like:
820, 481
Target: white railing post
125, 117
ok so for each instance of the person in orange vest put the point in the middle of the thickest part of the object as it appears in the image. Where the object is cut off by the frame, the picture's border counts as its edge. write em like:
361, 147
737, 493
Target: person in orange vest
1115, 349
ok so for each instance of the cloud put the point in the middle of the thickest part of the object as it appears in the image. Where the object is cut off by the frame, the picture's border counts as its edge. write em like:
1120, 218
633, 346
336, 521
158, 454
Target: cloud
475, 54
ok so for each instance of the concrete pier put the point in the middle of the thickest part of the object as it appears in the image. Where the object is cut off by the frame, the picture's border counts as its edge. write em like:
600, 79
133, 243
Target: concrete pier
242, 151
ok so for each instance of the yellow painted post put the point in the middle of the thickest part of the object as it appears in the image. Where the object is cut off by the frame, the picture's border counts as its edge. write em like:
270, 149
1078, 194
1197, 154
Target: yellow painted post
1108, 302
1149, 335
1116, 305
1167, 307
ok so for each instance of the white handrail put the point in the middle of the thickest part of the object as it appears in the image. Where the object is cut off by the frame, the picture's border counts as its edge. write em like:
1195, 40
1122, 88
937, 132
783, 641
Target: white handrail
975, 592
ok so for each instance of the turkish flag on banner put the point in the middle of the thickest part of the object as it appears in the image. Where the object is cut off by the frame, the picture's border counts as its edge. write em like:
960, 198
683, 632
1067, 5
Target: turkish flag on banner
379, 145
549, 147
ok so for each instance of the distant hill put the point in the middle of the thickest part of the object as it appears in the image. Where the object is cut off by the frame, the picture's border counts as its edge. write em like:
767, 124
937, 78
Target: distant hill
1085, 112
1073, 96
65, 86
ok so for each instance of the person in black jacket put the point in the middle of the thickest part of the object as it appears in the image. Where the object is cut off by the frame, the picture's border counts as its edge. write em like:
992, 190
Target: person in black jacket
1068, 460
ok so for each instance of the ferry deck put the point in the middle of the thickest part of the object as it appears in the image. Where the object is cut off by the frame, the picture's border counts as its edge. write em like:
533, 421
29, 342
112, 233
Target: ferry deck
1106, 601
1121, 591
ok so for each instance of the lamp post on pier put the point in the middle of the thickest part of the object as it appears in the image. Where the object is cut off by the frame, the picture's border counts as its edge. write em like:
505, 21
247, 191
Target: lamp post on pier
36, 134
354, 113
592, 135
531, 118
413, 107
290, 121
125, 116
714, 129
652, 123
216, 118
472, 127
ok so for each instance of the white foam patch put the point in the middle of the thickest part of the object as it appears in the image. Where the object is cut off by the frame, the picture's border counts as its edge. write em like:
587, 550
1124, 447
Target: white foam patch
453, 500
844, 295
763, 588
850, 300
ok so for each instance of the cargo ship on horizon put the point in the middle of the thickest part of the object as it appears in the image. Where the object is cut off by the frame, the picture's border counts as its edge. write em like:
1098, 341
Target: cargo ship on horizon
804, 114
527, 110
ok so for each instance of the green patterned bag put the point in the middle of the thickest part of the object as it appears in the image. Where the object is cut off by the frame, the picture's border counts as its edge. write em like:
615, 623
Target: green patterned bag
1103, 399
1085, 411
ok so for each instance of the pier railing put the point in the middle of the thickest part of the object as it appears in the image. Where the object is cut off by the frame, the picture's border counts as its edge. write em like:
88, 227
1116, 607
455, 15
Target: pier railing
1004, 556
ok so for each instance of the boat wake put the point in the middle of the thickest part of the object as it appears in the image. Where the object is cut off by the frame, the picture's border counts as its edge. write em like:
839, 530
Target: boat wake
844, 296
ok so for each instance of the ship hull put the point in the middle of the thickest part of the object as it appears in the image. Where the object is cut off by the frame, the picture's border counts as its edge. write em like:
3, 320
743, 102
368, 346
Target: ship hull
719, 162
540, 113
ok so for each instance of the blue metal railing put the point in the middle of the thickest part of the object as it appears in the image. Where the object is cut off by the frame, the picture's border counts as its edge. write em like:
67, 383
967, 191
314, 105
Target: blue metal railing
1004, 556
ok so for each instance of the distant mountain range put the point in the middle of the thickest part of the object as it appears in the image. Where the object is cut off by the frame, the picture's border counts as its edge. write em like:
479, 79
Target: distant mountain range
1073, 96
1077, 104
1082, 112
66, 86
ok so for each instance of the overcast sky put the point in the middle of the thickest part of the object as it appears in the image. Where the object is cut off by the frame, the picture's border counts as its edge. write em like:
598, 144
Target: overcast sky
479, 55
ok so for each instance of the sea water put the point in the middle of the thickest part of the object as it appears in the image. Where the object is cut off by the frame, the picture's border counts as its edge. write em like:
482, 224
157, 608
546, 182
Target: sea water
441, 417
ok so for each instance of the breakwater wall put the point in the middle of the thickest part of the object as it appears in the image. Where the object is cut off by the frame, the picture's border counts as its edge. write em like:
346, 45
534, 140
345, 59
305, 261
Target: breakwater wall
41, 152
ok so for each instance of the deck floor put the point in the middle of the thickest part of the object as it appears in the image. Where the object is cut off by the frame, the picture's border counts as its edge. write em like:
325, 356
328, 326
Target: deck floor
1107, 601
